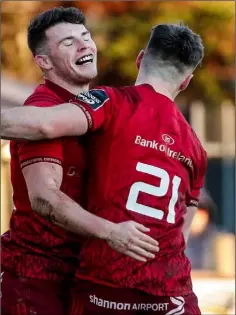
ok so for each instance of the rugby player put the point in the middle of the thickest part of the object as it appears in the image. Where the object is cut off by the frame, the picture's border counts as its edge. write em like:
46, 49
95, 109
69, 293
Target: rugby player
145, 164
38, 257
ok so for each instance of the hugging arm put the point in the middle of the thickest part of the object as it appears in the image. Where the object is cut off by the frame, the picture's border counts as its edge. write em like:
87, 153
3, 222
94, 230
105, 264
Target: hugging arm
36, 123
43, 183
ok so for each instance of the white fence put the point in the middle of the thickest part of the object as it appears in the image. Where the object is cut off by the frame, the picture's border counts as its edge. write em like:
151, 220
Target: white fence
226, 146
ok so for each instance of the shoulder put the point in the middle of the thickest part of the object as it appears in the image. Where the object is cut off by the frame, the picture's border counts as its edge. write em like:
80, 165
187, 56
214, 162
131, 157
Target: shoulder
191, 142
96, 97
190, 134
42, 97
198, 145
129, 94
100, 96
199, 155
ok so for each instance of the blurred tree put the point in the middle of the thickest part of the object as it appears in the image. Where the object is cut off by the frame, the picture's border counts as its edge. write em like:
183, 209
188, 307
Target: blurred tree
121, 29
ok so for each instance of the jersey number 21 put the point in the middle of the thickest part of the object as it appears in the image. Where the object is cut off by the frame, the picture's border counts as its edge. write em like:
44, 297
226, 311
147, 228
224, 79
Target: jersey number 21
160, 191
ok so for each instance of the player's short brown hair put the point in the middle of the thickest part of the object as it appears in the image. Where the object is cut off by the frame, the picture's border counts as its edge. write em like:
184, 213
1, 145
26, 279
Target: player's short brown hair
175, 44
43, 21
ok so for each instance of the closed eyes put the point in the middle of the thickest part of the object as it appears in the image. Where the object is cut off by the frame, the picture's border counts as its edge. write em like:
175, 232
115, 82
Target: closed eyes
68, 41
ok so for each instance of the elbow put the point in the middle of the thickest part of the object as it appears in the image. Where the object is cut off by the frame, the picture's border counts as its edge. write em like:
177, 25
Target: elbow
48, 131
5, 125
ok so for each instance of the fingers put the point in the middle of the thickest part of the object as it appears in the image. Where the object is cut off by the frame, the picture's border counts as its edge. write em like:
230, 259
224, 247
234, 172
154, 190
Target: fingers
141, 227
135, 256
140, 251
147, 238
147, 246
130, 239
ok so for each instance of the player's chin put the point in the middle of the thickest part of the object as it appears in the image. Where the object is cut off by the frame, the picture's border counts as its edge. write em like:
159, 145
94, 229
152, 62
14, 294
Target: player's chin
87, 76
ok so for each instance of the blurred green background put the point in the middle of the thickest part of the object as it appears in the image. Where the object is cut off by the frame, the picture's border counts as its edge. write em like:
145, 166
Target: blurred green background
121, 29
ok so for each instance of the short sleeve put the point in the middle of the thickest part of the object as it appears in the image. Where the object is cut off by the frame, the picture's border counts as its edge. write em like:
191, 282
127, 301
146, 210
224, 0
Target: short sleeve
42, 99
97, 107
50, 151
198, 181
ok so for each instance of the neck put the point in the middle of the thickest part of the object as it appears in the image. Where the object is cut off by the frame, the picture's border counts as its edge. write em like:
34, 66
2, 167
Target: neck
158, 84
70, 87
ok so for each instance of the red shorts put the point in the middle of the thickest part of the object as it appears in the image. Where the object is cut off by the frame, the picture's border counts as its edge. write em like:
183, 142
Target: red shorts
27, 296
88, 298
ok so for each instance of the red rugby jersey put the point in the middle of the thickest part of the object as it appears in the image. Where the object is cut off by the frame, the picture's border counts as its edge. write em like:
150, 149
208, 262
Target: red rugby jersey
146, 164
34, 247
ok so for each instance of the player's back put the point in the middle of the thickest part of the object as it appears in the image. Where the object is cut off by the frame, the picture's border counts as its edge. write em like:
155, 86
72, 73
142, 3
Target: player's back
32, 241
142, 166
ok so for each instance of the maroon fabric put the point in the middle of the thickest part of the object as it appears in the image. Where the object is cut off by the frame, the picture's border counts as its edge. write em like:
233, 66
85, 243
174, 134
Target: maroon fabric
34, 247
25, 296
144, 164
88, 298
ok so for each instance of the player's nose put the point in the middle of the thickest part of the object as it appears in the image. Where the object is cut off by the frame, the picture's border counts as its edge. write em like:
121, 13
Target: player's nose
82, 46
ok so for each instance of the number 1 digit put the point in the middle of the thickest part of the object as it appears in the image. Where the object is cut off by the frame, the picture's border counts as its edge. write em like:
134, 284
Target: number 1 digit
171, 209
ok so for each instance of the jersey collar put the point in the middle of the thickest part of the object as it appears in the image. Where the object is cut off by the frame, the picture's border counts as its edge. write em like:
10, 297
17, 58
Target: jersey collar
60, 91
149, 88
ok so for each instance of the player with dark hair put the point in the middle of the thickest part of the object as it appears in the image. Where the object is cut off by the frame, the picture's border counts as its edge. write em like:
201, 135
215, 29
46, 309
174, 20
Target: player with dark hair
37, 37
145, 164
39, 258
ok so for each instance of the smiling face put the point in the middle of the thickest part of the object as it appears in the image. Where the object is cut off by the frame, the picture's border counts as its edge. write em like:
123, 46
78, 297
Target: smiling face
72, 54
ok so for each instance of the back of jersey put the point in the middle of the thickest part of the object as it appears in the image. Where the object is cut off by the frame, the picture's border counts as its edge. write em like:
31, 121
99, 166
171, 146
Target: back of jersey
142, 166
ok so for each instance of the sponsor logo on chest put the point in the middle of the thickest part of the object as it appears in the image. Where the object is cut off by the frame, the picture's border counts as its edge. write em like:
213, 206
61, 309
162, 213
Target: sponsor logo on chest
164, 148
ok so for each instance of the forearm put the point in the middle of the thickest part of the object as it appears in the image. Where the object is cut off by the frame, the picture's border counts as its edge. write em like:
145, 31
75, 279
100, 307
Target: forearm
22, 123
36, 123
188, 218
61, 210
